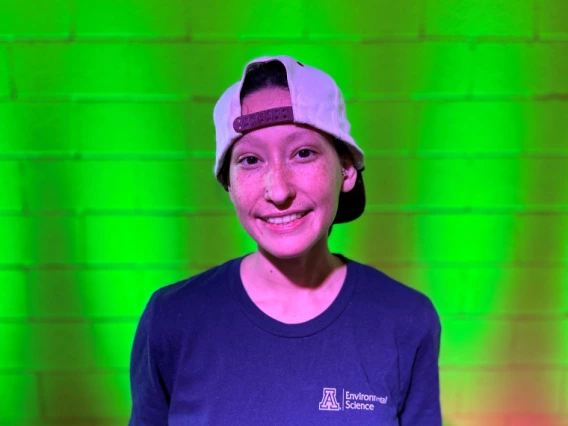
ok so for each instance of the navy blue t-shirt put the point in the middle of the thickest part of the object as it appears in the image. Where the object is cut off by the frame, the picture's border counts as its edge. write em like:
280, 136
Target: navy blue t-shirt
205, 354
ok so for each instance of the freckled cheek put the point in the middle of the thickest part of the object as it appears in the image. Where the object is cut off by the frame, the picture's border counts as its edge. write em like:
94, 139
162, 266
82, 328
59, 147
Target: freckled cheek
244, 181
322, 179
245, 191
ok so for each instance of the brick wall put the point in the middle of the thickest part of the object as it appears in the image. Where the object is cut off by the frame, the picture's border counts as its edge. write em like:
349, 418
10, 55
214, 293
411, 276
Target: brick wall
106, 154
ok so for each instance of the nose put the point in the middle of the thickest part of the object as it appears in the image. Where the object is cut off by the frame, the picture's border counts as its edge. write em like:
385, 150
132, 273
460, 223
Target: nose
279, 185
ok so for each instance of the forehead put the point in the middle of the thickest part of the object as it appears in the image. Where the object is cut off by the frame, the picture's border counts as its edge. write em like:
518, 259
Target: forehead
263, 99
282, 136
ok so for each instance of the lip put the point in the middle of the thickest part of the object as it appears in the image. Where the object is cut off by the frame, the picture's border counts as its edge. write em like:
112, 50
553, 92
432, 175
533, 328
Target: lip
289, 227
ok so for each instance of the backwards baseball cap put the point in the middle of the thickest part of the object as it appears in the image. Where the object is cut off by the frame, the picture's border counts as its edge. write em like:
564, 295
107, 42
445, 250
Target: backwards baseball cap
316, 102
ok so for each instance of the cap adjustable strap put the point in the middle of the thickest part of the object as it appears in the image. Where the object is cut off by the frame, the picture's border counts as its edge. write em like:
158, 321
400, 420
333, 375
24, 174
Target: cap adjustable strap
268, 117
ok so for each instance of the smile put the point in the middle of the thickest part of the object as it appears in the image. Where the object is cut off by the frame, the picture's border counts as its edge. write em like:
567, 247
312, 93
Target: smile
284, 220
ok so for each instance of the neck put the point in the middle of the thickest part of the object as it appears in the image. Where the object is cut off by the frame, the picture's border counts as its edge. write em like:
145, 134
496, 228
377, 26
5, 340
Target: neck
309, 271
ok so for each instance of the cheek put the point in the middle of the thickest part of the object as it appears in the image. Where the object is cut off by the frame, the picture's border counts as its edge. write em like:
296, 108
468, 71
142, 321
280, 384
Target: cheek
242, 191
325, 179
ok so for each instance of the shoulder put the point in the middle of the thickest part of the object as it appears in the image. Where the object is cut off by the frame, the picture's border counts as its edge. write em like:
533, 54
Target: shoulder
178, 311
395, 300
193, 294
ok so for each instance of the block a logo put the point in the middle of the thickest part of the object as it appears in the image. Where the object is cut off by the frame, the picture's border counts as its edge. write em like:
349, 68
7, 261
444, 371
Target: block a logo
329, 400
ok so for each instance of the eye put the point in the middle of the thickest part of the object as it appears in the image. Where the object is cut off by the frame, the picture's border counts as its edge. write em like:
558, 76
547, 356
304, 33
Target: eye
249, 160
305, 153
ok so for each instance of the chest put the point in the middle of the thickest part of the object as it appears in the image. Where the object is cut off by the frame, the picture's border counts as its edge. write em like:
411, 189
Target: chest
255, 378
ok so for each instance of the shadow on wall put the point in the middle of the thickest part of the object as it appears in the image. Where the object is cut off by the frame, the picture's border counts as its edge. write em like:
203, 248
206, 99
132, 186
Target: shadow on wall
536, 288
64, 338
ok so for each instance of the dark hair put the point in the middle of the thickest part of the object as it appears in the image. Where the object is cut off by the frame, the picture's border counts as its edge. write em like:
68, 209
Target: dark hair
262, 75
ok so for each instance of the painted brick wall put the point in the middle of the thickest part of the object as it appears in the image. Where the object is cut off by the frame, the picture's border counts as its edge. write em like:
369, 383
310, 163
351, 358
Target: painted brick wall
106, 152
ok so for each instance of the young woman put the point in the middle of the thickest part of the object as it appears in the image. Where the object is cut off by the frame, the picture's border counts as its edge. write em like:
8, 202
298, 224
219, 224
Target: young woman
291, 334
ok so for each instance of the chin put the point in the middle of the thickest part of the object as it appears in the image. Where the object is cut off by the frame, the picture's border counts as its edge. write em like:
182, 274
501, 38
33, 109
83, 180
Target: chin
281, 252
288, 248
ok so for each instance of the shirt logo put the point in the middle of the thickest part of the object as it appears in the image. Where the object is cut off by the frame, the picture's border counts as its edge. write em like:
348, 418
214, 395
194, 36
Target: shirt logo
329, 400
350, 400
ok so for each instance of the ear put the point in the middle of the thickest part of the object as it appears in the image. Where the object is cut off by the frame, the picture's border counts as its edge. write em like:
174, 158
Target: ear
230, 191
349, 175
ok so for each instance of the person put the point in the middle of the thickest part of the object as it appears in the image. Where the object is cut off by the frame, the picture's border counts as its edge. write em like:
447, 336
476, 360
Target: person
290, 334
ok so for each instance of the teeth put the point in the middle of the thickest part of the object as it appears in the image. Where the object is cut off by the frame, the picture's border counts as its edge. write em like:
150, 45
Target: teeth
283, 220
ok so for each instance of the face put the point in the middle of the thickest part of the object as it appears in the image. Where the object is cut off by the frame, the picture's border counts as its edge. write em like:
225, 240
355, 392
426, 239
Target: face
285, 181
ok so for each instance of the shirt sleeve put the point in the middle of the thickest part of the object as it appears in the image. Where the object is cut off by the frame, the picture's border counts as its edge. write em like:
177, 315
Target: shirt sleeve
150, 399
422, 402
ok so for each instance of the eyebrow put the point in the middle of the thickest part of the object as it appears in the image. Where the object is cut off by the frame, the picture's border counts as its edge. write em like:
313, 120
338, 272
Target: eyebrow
301, 132
297, 134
